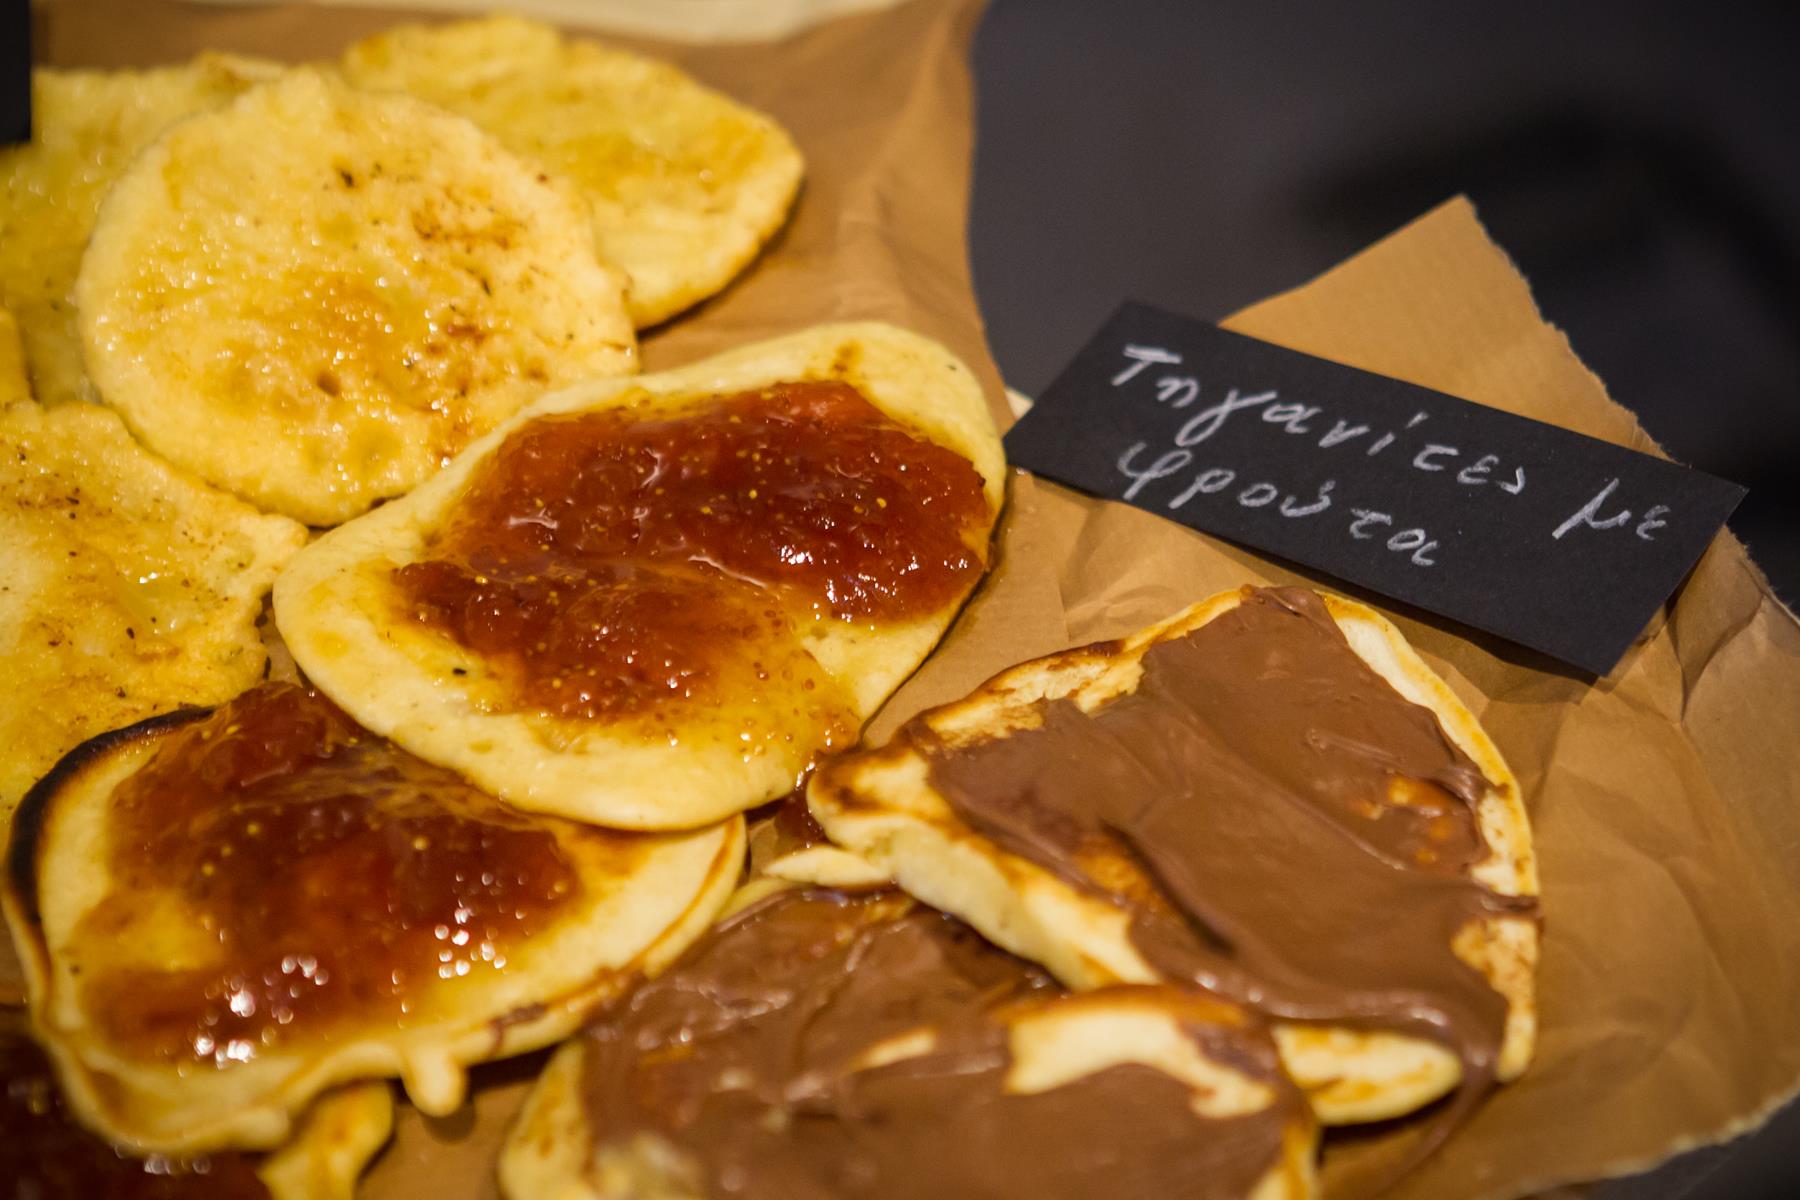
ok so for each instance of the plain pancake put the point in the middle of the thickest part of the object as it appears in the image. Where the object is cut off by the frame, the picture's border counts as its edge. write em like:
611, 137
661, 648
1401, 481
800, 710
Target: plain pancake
88, 126
127, 587
314, 296
222, 915
828, 1044
47, 1154
887, 805
753, 551
685, 184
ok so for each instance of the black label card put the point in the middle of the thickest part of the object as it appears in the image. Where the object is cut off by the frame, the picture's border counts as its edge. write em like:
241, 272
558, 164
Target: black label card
15, 71
1547, 538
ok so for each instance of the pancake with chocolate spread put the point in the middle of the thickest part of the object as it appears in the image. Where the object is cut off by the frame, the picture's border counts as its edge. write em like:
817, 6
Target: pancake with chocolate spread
652, 603
222, 914
46, 1154
1269, 796
820, 1045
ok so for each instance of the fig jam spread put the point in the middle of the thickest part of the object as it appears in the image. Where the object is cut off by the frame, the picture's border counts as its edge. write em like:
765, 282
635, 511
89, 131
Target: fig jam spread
608, 562
305, 872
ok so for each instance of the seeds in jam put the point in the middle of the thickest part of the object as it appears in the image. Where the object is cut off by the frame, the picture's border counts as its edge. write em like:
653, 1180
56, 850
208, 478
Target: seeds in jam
612, 561
293, 871
46, 1153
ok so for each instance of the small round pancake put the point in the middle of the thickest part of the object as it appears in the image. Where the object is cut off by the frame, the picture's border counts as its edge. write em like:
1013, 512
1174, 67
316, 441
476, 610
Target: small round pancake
686, 762
819, 1044
685, 184
119, 942
881, 804
315, 296
127, 587
87, 128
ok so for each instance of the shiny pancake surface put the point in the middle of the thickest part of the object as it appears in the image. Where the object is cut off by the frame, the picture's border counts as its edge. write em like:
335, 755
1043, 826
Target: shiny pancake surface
87, 127
314, 296
127, 588
1268, 797
685, 185
283, 901
829, 1044
653, 603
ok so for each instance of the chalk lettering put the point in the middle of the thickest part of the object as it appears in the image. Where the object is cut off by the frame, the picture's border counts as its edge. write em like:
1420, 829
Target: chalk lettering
1433, 450
1359, 528
1177, 391
1416, 418
1207, 421
1589, 513
1652, 520
1518, 483
1164, 466
1290, 416
1379, 444
1415, 540
1291, 508
1141, 357
1475, 474
1341, 431
1214, 479
1264, 493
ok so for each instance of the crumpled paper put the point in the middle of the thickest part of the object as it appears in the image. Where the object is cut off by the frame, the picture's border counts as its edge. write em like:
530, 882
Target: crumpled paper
1664, 797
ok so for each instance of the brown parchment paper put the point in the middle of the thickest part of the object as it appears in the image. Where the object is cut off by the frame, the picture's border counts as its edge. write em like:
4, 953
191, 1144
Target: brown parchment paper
1666, 798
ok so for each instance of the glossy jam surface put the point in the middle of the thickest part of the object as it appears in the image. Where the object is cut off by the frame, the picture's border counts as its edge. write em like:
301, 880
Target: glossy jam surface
46, 1155
311, 872
619, 559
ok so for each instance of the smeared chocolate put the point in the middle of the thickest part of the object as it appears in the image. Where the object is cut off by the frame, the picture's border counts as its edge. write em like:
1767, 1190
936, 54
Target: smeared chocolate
745, 1058
1306, 830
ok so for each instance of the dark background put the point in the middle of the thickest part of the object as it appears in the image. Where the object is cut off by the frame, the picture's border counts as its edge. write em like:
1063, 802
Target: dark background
1639, 159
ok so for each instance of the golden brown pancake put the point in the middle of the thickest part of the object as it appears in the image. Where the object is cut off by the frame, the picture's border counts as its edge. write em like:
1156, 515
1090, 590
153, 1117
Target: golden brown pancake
1268, 795
314, 296
223, 914
685, 185
823, 1044
127, 587
651, 603
87, 128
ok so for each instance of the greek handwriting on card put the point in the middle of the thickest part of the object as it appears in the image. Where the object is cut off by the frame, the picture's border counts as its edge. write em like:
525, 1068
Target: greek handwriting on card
1545, 537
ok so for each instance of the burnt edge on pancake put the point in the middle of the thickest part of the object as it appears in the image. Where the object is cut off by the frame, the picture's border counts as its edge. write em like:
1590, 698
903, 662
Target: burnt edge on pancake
28, 818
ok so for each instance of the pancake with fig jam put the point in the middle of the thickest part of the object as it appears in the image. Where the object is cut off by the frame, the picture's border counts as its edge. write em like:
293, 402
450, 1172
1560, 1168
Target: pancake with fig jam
47, 1154
819, 1045
221, 914
653, 603
1268, 796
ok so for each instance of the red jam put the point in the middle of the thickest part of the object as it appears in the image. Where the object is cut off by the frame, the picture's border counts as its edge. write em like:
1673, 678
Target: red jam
333, 876
634, 556
46, 1155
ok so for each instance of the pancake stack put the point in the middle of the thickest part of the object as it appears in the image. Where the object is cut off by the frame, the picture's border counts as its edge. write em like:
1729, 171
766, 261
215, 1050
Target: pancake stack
548, 731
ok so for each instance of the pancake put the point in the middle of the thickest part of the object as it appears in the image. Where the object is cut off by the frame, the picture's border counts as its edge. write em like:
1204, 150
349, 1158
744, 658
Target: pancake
314, 296
652, 603
127, 588
1287, 808
821, 1044
46, 1153
685, 185
224, 914
88, 127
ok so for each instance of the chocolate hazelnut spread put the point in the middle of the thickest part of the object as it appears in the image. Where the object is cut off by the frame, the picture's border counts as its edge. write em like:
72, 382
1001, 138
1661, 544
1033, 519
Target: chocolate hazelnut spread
1305, 829
752, 1060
